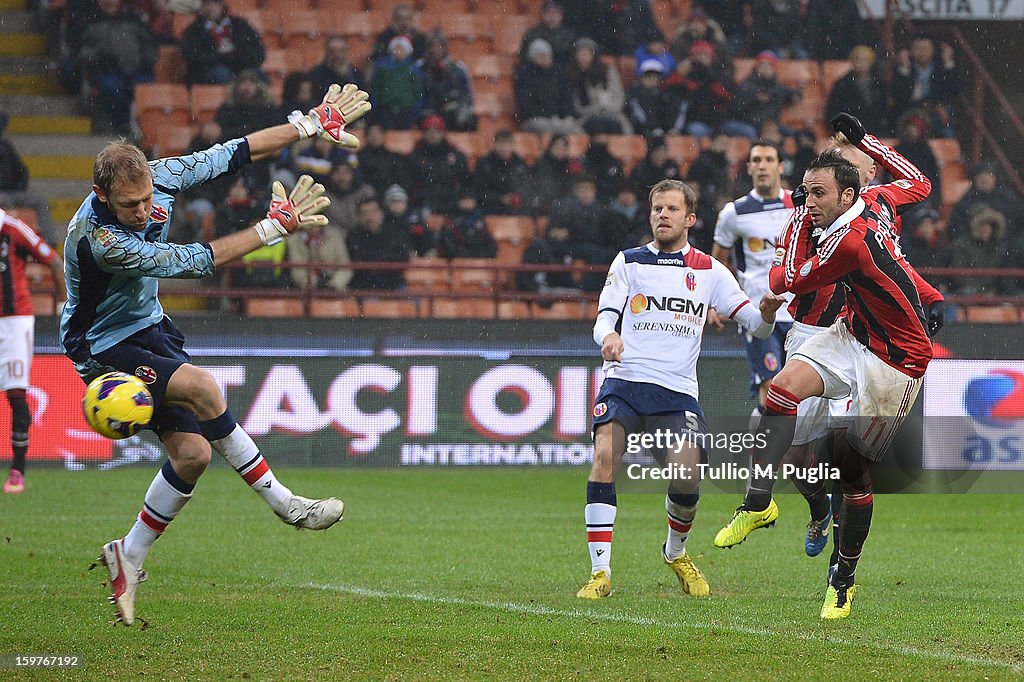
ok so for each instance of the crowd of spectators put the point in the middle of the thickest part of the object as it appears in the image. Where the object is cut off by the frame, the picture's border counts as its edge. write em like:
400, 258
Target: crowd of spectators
685, 83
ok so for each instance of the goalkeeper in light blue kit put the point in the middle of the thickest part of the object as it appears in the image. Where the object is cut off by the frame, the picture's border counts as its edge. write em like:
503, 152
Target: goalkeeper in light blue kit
115, 252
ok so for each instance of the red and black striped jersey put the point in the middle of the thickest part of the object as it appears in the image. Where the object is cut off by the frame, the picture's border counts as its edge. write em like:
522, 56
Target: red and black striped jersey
17, 242
825, 305
861, 252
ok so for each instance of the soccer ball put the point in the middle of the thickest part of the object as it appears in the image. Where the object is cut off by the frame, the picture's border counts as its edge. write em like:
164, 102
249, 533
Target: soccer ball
117, 405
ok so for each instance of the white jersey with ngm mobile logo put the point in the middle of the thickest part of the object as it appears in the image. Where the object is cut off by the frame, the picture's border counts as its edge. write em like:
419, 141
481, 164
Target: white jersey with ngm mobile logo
658, 302
757, 223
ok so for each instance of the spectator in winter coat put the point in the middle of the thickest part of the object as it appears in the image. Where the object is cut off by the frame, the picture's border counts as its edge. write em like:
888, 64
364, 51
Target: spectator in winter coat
217, 47
502, 177
598, 98
396, 89
466, 235
440, 172
448, 90
860, 92
402, 16
542, 92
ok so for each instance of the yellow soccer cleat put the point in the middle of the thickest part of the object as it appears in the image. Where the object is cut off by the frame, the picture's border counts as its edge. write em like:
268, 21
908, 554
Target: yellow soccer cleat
744, 523
838, 602
599, 585
690, 577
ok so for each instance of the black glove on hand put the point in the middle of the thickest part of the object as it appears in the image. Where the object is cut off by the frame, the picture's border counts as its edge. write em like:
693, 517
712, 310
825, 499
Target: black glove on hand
799, 195
936, 317
850, 126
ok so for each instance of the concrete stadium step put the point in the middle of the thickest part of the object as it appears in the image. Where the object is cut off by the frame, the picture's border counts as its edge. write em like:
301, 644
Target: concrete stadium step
17, 21
21, 64
59, 145
58, 166
49, 125
27, 44
41, 105
29, 83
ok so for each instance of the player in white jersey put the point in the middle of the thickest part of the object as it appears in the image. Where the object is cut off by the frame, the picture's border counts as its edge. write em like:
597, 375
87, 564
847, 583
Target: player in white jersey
755, 221
650, 319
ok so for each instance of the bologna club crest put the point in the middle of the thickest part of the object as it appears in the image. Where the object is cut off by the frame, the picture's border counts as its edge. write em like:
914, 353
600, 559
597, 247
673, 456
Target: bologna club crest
691, 281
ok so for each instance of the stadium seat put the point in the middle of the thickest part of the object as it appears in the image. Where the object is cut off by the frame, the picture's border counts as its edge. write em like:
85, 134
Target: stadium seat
277, 65
473, 274
389, 307
428, 274
287, 7
472, 145
173, 140
629, 149
511, 31
493, 105
947, 152
831, 71
797, 73
401, 141
181, 22
807, 114
528, 146
666, 16
464, 308
264, 23
170, 65
443, 8
206, 99
508, 258
334, 307
626, 64
742, 68
559, 310
511, 228
513, 310
952, 192
274, 307
464, 29
492, 66
303, 30
992, 314
739, 148
683, 148
160, 104
501, 87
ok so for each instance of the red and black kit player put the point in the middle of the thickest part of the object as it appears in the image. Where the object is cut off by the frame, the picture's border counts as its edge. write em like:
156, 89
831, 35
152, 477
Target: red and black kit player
18, 241
874, 356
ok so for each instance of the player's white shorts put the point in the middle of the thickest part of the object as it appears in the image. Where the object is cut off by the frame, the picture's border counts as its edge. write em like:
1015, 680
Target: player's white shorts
881, 395
17, 337
814, 416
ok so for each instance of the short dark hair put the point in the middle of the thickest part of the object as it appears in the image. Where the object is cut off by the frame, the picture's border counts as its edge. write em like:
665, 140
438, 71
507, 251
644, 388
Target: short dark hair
675, 186
120, 161
764, 142
845, 173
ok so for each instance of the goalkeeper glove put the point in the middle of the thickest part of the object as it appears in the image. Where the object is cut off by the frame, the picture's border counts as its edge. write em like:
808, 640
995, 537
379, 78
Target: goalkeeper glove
850, 126
299, 210
341, 106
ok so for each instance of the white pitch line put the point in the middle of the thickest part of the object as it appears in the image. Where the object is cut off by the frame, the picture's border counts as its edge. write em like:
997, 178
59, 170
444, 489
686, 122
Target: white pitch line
535, 610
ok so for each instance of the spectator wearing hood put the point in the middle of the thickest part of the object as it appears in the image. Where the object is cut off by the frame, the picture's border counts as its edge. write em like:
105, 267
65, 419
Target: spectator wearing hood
761, 97
553, 31
439, 170
502, 178
704, 96
597, 94
984, 246
648, 106
397, 87
543, 95
447, 90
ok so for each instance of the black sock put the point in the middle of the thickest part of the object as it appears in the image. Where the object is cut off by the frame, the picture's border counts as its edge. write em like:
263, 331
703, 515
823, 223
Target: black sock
837, 505
21, 420
853, 532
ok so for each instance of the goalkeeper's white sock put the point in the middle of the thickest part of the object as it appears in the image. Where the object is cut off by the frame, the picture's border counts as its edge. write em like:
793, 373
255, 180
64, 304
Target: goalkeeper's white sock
600, 518
167, 495
239, 450
681, 510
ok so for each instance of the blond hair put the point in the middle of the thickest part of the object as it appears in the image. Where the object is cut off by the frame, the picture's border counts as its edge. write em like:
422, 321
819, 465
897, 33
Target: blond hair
119, 162
675, 186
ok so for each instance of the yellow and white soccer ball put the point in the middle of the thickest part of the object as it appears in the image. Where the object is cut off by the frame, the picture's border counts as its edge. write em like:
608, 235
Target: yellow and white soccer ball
117, 405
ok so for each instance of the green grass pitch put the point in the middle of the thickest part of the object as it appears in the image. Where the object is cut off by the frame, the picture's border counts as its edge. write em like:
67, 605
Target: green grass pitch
471, 574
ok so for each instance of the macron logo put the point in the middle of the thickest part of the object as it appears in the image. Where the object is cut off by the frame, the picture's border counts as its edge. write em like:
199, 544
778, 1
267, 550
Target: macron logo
671, 261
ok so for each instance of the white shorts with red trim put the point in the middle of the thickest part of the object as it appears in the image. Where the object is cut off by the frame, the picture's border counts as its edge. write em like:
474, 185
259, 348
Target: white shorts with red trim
881, 396
17, 339
814, 416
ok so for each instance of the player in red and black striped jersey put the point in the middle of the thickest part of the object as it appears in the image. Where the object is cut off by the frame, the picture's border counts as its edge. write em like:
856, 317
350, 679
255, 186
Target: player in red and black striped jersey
18, 242
854, 242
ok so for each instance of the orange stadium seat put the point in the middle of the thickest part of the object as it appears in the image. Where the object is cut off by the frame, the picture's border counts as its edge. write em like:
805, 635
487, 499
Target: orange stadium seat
464, 308
206, 99
274, 307
334, 307
491, 66
797, 73
473, 145
992, 313
559, 310
473, 274
286, 7
438, 9
509, 33
173, 140
170, 65
629, 149
160, 104
401, 141
831, 71
512, 228
513, 310
389, 307
683, 148
427, 274
528, 146
304, 29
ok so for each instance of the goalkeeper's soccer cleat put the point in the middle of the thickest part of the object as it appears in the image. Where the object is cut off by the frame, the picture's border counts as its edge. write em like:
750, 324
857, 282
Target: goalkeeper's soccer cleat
124, 579
838, 601
15, 482
817, 534
314, 514
745, 522
690, 577
599, 585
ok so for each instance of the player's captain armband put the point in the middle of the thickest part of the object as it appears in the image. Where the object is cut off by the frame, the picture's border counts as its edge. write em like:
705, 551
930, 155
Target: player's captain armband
904, 184
780, 253
104, 236
805, 269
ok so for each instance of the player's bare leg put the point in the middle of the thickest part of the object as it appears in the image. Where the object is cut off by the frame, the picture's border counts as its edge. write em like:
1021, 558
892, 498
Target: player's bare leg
599, 514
